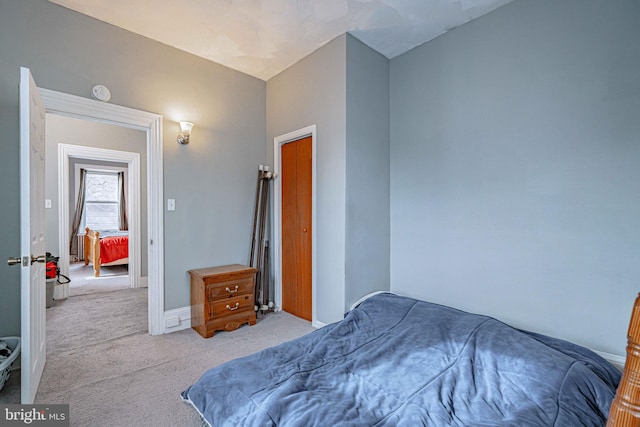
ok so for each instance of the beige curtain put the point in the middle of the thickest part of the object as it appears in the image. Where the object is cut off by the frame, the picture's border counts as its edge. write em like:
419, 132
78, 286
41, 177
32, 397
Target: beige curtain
77, 217
124, 224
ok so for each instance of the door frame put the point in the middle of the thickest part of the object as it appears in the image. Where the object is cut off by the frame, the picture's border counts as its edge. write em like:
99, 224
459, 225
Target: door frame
88, 109
67, 152
278, 142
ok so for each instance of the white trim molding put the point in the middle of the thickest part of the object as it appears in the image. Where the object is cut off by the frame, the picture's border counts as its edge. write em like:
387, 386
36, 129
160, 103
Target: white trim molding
317, 324
144, 282
614, 359
278, 142
177, 319
67, 152
88, 109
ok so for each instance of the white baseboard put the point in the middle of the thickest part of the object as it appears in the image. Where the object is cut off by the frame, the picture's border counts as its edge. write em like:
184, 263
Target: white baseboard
317, 324
614, 359
143, 282
177, 319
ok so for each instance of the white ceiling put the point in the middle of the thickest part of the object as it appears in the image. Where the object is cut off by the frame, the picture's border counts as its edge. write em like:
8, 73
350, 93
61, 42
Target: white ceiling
264, 37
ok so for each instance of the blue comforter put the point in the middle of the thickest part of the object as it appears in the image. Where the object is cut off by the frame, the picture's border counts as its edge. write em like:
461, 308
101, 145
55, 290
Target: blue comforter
396, 361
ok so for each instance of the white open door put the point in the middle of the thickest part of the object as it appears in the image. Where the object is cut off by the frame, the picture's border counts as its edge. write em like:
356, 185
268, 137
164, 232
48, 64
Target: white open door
32, 243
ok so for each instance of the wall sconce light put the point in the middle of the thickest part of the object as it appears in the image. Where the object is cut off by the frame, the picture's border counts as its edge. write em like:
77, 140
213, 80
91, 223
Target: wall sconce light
185, 132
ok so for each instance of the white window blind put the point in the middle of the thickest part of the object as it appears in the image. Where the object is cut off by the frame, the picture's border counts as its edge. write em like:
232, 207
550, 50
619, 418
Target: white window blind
102, 201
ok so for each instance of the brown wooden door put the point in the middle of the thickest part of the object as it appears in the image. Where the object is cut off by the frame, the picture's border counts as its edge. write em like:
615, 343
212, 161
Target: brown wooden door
296, 227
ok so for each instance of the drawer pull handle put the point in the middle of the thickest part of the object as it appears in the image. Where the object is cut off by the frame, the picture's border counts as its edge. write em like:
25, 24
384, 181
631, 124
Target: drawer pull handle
233, 308
232, 290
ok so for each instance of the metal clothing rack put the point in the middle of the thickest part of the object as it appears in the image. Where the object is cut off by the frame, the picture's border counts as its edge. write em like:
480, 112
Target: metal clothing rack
259, 257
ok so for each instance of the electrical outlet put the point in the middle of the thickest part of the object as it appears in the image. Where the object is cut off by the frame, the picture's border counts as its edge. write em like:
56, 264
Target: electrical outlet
171, 204
47, 203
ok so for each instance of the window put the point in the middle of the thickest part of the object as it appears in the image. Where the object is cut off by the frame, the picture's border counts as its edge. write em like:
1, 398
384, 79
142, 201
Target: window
102, 201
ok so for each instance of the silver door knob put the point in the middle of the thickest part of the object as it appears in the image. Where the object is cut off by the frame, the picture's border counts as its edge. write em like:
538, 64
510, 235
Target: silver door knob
14, 260
41, 259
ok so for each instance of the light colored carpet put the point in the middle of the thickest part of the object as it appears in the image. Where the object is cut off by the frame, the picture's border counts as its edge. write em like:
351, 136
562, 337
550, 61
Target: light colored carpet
101, 360
83, 282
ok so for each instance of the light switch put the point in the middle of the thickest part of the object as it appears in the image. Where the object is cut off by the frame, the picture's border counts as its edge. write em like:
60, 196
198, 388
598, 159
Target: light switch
171, 204
47, 203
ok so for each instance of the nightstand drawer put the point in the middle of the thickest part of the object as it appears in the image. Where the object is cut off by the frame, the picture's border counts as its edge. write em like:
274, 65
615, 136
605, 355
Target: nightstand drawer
230, 306
230, 289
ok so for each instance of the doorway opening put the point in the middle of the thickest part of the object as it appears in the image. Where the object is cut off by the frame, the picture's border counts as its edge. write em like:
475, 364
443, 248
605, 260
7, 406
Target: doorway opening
102, 167
73, 158
105, 208
151, 124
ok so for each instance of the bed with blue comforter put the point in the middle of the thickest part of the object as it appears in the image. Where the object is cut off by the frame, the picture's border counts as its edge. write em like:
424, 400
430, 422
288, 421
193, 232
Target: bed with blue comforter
397, 361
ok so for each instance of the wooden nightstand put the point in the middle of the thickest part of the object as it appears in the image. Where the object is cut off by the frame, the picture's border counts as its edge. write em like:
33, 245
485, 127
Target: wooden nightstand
222, 298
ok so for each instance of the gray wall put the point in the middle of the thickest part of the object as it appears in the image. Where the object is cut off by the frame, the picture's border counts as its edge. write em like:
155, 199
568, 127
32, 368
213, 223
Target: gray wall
367, 172
212, 178
343, 88
313, 92
515, 185
67, 130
